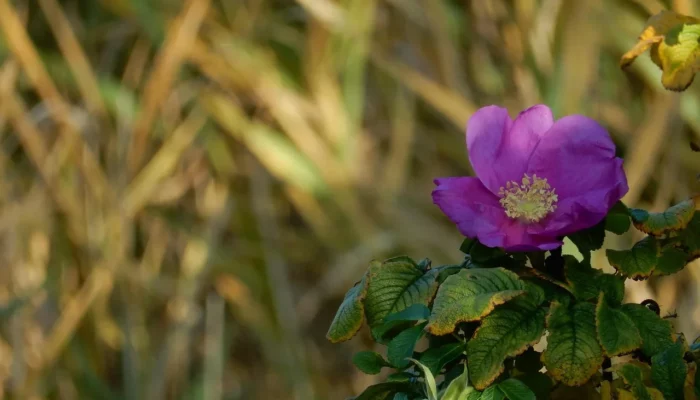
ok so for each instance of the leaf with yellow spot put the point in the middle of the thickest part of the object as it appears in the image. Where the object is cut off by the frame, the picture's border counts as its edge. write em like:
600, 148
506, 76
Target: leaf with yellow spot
470, 295
673, 40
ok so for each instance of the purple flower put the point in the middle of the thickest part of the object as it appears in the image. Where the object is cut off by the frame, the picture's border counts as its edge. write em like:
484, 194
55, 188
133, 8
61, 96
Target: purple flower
537, 179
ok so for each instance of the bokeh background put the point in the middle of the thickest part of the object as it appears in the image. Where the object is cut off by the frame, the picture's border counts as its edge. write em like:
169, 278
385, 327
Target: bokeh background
187, 188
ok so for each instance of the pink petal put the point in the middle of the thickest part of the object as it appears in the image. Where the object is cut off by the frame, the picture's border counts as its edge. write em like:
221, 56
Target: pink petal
478, 214
499, 149
578, 159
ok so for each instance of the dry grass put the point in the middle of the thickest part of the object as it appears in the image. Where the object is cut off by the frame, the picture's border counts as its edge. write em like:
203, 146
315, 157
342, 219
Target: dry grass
188, 188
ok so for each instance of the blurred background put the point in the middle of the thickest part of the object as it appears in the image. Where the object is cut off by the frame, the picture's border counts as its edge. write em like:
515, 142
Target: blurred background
188, 188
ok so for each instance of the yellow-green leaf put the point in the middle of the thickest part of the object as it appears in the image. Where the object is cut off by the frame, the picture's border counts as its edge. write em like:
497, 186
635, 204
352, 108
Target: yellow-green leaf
673, 39
506, 332
573, 354
674, 218
633, 377
459, 388
470, 295
350, 315
678, 53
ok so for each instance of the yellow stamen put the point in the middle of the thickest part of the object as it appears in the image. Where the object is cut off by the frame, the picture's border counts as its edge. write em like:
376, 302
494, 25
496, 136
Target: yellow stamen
530, 201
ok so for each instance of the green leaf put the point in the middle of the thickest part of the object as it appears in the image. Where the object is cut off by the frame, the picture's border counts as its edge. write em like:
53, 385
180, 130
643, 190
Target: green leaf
668, 371
395, 285
673, 219
617, 333
690, 237
436, 358
539, 383
401, 347
415, 312
470, 295
385, 391
637, 262
613, 286
466, 246
401, 396
586, 282
492, 393
430, 386
506, 332
425, 264
516, 390
671, 261
350, 315
589, 239
369, 362
459, 388
396, 322
618, 219
573, 354
482, 254
656, 333
384, 332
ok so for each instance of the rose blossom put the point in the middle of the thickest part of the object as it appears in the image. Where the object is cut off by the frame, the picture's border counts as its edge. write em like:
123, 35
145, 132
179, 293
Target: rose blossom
536, 179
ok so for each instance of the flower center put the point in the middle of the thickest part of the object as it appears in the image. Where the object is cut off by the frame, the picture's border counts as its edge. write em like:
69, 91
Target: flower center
530, 201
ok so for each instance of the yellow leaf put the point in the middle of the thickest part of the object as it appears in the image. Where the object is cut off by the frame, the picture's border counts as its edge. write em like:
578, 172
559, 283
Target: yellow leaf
625, 395
605, 390
673, 39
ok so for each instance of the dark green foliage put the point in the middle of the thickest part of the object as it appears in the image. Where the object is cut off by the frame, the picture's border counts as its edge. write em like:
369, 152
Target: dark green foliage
482, 317
668, 370
369, 362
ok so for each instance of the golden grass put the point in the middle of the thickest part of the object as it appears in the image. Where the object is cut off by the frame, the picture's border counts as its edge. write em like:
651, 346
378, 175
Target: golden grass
187, 190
